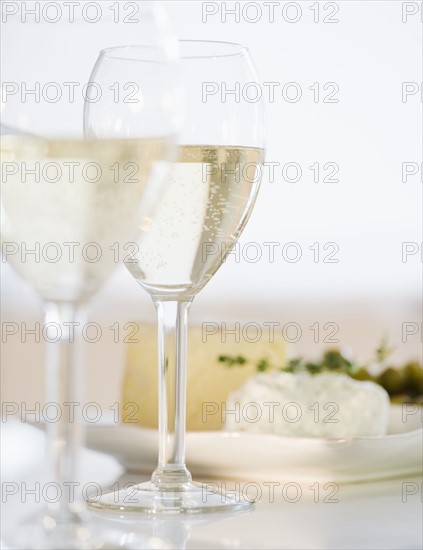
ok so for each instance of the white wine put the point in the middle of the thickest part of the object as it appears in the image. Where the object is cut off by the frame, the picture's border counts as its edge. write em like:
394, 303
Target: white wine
201, 214
71, 208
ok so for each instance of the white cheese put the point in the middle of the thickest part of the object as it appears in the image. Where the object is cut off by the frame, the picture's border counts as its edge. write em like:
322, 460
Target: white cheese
326, 405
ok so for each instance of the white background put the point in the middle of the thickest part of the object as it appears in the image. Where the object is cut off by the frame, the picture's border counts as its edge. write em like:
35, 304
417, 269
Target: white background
369, 213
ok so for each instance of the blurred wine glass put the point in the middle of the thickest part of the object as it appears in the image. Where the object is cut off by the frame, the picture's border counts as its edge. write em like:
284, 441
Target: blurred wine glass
74, 205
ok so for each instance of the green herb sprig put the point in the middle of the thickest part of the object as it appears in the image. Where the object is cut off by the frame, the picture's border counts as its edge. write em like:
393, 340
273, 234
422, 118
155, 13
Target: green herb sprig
402, 384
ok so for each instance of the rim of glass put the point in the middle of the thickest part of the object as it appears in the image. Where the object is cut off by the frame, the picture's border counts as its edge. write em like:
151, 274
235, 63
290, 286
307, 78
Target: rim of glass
218, 48
117, 52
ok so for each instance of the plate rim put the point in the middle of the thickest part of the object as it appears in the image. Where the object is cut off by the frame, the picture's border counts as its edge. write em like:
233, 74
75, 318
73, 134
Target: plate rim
202, 434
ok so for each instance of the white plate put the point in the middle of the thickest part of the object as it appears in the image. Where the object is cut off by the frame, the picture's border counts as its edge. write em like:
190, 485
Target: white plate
262, 457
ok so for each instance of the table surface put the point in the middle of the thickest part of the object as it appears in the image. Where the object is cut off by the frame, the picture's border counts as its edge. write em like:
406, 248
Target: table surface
375, 515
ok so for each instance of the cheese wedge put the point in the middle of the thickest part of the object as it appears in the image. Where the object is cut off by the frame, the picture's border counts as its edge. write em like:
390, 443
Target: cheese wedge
209, 381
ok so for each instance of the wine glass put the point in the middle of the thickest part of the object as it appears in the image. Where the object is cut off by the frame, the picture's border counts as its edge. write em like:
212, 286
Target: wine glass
210, 196
71, 205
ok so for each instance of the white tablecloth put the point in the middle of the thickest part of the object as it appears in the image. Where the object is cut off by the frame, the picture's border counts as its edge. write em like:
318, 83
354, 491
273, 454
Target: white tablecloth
367, 516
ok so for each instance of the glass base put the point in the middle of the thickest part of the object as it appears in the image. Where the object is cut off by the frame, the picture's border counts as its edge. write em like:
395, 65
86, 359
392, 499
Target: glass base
147, 498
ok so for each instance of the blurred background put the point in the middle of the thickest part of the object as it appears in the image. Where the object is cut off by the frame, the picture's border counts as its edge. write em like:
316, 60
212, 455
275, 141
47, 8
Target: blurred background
341, 197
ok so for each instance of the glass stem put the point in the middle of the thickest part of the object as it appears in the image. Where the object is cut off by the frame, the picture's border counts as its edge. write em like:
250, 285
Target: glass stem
171, 473
64, 354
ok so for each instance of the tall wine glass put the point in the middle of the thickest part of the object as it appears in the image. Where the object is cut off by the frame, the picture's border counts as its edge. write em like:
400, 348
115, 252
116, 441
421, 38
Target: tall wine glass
70, 206
210, 196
